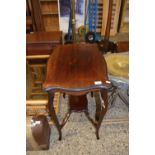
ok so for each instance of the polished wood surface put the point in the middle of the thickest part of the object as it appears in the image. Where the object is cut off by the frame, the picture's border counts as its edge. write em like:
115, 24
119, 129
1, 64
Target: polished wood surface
42, 43
44, 37
76, 68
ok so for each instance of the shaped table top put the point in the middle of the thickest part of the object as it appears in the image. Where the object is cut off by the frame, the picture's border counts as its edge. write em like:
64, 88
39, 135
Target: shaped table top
76, 68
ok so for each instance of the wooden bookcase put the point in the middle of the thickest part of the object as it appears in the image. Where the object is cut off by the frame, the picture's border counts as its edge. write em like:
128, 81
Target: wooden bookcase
45, 14
50, 14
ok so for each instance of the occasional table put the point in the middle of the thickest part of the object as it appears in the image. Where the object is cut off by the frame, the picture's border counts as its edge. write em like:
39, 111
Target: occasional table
76, 70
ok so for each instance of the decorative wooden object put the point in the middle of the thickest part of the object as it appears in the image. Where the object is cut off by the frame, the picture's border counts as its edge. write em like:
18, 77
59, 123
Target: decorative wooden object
77, 69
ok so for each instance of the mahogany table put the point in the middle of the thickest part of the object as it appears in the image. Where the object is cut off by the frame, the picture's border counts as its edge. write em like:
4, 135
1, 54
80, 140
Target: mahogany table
76, 70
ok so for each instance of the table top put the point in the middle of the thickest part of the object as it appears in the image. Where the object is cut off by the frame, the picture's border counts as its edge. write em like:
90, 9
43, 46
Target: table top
76, 68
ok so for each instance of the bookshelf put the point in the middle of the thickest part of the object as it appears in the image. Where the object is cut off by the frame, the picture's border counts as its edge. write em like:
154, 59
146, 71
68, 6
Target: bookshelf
50, 14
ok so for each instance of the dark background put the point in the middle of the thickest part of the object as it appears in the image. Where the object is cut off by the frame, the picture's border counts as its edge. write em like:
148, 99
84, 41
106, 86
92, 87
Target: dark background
65, 7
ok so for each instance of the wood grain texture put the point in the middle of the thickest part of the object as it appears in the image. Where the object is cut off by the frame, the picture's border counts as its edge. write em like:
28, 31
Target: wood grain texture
75, 68
36, 11
42, 43
44, 37
50, 15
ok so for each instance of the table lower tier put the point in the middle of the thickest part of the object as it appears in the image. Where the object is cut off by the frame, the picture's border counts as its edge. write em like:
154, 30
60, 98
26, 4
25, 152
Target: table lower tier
80, 104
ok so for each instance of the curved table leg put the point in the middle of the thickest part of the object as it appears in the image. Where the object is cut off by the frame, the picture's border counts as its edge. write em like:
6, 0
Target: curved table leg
101, 109
104, 106
98, 106
53, 114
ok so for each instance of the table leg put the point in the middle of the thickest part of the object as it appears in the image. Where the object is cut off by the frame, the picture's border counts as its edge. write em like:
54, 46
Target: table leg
101, 109
98, 106
53, 114
104, 106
